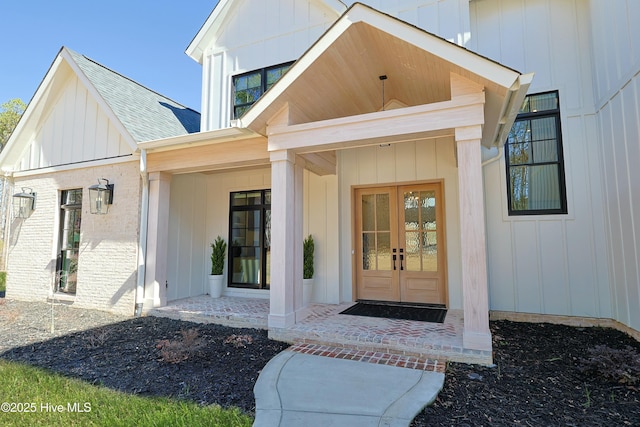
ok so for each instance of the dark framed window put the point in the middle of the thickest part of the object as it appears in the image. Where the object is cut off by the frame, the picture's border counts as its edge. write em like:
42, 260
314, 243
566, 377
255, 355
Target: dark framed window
69, 242
535, 164
249, 87
250, 236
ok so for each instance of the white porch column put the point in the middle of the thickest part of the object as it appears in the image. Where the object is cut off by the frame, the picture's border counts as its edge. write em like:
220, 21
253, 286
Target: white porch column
476, 334
286, 239
155, 290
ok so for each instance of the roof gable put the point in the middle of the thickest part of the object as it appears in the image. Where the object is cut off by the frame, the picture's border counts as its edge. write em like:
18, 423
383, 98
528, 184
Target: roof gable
83, 111
223, 12
364, 44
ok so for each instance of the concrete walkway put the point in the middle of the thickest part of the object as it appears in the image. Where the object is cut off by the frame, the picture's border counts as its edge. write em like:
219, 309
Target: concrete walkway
296, 389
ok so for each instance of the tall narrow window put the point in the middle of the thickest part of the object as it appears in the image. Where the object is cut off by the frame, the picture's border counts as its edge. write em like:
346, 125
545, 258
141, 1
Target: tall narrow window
535, 165
250, 231
69, 243
249, 87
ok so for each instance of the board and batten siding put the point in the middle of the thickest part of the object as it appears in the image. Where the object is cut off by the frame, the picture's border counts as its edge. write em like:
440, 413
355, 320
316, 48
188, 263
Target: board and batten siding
195, 222
448, 19
616, 52
257, 34
552, 264
406, 162
75, 130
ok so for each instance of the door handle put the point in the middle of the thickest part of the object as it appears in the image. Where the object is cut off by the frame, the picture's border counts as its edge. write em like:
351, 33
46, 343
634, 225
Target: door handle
401, 258
394, 258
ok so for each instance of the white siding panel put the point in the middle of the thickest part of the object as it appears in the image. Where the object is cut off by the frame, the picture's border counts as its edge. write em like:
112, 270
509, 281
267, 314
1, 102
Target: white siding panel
426, 159
406, 161
511, 24
57, 139
186, 266
552, 268
616, 255
538, 45
321, 221
80, 122
565, 44
526, 252
90, 128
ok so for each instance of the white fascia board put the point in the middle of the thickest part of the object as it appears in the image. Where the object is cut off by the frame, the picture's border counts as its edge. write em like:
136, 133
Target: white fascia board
100, 100
198, 138
457, 55
515, 98
18, 141
196, 48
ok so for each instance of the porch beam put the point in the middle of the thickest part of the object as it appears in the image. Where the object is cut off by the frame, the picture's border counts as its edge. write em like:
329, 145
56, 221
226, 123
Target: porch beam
155, 292
230, 154
365, 129
476, 333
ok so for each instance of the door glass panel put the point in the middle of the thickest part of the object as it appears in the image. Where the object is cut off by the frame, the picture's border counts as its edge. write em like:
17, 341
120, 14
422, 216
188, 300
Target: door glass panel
420, 227
384, 251
430, 252
368, 212
245, 246
383, 221
412, 251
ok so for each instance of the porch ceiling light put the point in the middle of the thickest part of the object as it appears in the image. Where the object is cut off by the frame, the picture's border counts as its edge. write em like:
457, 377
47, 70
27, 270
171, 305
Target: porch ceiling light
100, 196
24, 203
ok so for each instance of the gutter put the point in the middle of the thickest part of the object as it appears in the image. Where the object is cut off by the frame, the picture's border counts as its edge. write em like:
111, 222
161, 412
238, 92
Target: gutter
142, 242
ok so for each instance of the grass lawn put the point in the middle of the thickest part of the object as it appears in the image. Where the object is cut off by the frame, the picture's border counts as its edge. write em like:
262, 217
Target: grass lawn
31, 396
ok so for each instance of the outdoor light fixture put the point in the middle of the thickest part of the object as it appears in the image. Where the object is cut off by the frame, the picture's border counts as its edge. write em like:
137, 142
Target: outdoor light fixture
100, 196
24, 203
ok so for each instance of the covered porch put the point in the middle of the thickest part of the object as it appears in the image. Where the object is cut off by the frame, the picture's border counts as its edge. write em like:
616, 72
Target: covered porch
325, 329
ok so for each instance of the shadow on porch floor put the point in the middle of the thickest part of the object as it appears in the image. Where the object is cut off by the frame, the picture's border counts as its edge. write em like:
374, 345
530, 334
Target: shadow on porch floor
325, 328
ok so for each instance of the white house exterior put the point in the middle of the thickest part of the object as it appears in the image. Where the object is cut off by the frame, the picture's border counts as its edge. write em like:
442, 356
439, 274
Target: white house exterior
382, 127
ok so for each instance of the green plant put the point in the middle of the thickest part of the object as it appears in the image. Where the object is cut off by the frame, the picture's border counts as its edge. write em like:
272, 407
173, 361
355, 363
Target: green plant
308, 248
3, 281
218, 250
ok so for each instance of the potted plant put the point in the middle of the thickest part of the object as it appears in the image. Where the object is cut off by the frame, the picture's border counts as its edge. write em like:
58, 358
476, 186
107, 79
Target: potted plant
218, 250
307, 269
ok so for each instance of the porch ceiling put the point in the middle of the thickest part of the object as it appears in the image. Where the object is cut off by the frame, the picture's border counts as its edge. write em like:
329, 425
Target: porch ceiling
339, 75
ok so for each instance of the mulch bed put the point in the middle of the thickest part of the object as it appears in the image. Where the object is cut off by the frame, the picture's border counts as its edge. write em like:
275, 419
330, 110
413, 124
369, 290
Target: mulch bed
537, 380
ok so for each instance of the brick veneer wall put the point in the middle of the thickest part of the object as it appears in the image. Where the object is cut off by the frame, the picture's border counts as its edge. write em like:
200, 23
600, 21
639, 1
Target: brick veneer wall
107, 264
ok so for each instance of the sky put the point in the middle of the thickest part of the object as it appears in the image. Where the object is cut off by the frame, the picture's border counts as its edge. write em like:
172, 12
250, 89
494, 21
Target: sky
144, 40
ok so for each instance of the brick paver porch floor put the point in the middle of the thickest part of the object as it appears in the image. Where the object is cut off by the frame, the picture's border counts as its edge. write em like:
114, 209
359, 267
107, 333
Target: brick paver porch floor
325, 331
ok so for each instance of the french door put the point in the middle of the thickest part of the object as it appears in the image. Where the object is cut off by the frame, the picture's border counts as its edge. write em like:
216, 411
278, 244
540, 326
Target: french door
401, 244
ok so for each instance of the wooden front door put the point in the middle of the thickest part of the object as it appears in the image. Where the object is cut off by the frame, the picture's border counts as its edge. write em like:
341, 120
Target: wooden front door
400, 244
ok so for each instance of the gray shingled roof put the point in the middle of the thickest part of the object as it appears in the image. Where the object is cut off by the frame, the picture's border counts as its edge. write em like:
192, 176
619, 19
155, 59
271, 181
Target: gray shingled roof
146, 114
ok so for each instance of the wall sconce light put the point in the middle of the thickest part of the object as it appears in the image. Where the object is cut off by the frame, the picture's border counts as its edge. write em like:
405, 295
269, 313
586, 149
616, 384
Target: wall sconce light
24, 203
100, 196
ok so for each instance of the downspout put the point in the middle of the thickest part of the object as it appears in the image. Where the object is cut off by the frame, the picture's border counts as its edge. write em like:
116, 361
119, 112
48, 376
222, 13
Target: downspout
494, 158
6, 207
142, 243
